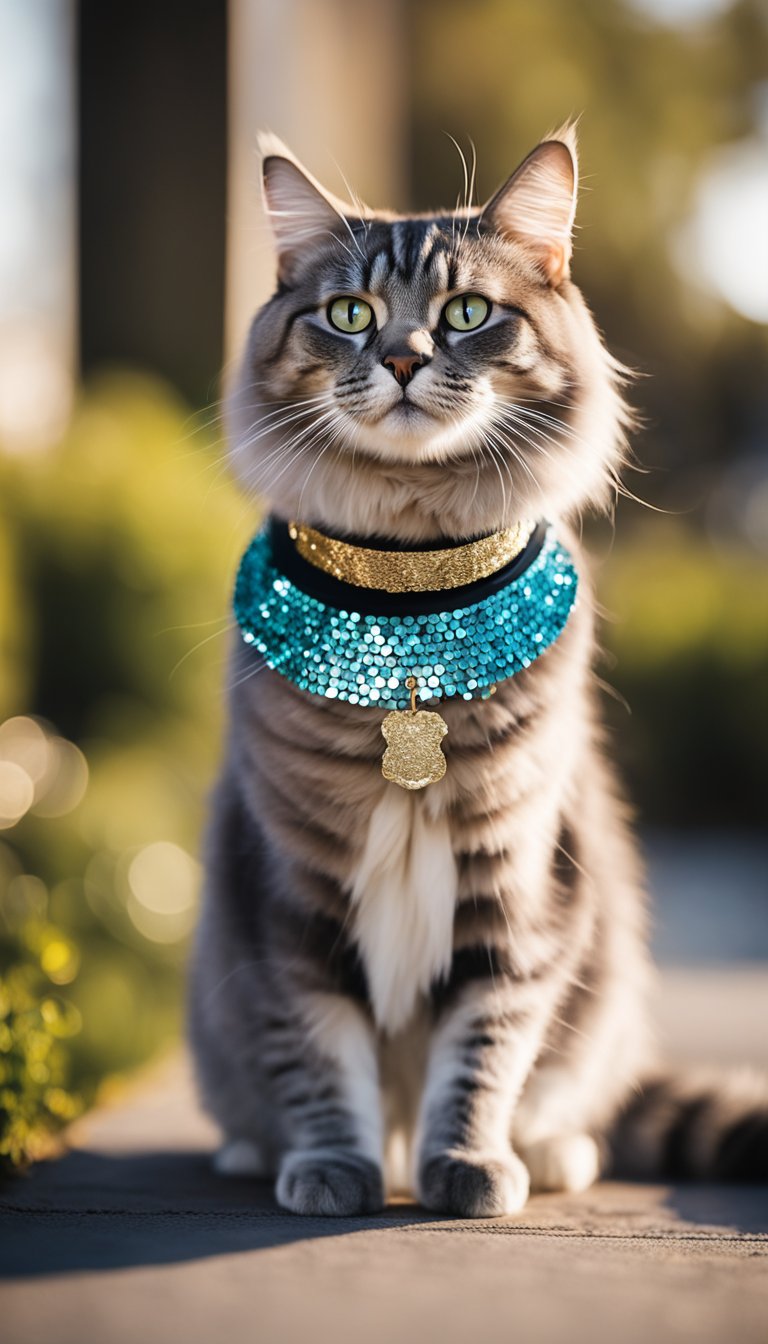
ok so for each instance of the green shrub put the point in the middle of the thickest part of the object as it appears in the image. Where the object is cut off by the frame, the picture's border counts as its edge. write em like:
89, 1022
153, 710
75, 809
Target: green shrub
118, 551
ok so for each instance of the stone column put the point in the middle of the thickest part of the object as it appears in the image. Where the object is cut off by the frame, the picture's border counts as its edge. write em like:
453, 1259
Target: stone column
328, 77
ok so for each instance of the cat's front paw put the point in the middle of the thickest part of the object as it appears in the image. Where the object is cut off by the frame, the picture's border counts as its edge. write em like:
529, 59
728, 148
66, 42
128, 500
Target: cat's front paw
563, 1162
473, 1185
329, 1183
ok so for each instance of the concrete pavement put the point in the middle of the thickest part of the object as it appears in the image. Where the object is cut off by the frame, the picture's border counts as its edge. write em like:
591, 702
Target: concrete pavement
131, 1237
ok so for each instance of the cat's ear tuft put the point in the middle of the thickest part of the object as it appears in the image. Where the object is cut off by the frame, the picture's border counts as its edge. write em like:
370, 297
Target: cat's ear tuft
536, 206
301, 212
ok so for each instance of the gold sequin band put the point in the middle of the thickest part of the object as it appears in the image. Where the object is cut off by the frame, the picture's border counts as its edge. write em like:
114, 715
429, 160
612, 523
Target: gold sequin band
411, 571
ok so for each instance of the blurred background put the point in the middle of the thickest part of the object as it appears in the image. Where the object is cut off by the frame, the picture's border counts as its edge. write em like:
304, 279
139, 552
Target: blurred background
132, 254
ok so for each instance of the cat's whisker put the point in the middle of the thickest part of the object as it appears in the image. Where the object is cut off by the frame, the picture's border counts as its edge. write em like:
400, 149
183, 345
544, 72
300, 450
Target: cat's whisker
497, 458
305, 441
276, 418
288, 452
471, 191
360, 207
331, 442
223, 464
261, 467
235, 683
230, 625
300, 422
540, 447
339, 242
542, 442
611, 471
465, 171
293, 435
272, 419
504, 442
311, 232
311, 415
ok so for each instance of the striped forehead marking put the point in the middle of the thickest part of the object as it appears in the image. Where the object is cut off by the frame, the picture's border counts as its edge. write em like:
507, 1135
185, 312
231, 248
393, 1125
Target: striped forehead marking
411, 250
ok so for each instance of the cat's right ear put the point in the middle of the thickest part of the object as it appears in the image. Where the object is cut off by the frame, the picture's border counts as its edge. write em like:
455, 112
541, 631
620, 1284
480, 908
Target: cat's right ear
300, 211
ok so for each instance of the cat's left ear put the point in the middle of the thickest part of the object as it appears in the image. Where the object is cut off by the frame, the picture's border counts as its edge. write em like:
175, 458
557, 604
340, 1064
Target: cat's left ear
536, 206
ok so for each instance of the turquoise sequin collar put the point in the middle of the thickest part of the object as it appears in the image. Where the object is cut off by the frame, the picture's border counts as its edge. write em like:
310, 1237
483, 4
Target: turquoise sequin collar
365, 658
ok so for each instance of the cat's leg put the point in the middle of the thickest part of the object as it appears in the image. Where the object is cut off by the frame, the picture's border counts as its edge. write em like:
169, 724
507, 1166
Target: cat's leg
327, 1096
241, 1157
598, 1047
571, 1097
482, 1050
285, 1049
562, 1112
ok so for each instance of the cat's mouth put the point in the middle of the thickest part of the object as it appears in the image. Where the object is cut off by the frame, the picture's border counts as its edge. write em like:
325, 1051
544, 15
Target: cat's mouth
404, 410
406, 428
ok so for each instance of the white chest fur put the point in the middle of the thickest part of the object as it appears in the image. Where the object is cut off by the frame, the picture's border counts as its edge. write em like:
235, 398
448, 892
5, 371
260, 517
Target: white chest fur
404, 894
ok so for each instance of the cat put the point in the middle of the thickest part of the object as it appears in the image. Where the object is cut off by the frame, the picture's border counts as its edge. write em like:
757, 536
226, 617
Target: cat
445, 989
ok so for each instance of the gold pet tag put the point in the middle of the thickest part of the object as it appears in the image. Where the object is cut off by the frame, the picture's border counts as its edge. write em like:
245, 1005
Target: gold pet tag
413, 757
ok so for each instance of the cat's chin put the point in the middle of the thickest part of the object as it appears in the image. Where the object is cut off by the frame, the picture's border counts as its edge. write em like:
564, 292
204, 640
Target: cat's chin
410, 434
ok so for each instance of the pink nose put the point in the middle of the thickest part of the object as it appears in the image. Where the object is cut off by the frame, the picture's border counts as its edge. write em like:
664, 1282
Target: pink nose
403, 367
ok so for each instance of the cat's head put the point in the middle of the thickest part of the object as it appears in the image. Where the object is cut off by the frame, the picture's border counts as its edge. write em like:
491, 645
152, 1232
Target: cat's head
426, 375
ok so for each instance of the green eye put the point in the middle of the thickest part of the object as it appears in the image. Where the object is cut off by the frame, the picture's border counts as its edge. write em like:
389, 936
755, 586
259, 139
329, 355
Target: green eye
349, 314
466, 312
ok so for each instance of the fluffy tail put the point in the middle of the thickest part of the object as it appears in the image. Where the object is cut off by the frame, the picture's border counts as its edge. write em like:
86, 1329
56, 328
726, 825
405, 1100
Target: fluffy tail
695, 1126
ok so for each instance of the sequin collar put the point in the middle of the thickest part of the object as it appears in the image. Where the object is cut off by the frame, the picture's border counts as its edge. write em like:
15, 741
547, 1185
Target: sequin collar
363, 646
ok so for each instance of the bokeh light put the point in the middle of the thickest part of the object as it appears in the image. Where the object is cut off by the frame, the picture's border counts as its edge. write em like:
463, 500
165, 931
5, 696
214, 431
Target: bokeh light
723, 246
23, 741
17, 793
682, 12
65, 780
164, 884
60, 960
38, 771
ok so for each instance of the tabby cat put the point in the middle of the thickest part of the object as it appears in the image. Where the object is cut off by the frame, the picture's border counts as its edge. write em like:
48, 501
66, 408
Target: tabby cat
437, 989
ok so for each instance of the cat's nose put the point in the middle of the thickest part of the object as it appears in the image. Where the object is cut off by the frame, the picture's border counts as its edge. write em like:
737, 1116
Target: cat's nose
403, 367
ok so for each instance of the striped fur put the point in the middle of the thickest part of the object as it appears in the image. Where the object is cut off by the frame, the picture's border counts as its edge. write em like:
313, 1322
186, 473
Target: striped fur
458, 974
